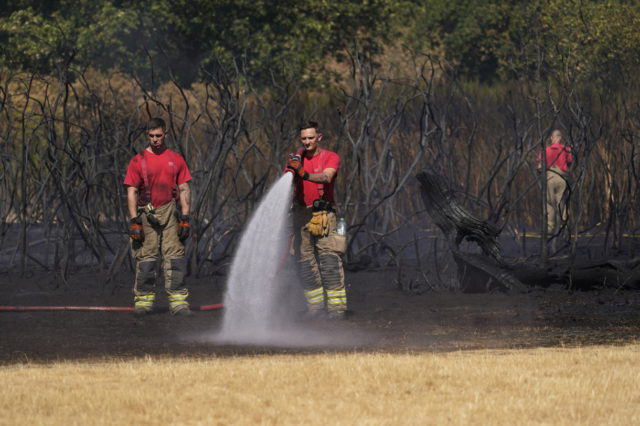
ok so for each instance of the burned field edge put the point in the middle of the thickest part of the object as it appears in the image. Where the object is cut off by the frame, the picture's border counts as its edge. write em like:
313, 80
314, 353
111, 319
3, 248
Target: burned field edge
384, 320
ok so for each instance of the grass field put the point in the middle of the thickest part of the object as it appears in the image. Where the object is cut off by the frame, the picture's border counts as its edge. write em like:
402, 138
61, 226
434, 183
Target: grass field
591, 385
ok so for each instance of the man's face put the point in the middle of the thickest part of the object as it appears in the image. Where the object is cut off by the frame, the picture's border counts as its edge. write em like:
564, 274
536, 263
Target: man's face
556, 137
310, 138
156, 138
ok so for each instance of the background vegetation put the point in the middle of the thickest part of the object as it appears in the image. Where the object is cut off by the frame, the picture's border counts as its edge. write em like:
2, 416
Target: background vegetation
469, 89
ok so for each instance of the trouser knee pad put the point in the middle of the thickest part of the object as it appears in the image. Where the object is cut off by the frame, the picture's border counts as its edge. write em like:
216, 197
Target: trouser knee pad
331, 271
309, 275
174, 274
333, 280
146, 275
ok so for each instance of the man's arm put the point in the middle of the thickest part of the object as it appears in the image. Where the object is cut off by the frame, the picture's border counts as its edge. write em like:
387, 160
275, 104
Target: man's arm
185, 198
132, 201
326, 176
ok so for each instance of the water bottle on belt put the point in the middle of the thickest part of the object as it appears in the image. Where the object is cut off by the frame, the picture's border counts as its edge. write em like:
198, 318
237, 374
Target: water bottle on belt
341, 228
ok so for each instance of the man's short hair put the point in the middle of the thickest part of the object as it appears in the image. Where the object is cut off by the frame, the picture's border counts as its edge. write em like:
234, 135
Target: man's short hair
156, 122
309, 125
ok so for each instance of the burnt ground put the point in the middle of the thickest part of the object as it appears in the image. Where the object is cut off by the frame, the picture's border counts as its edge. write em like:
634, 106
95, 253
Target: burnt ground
383, 319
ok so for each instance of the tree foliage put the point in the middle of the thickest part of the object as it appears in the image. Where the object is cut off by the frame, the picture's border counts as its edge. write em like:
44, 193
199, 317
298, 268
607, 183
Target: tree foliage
498, 40
177, 38
161, 39
51, 38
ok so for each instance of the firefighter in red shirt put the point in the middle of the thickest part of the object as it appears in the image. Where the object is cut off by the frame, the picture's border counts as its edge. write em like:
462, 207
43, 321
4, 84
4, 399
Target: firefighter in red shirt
155, 178
559, 161
316, 244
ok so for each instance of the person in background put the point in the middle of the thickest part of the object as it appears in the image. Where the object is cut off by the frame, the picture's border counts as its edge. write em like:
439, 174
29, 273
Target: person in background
155, 179
559, 160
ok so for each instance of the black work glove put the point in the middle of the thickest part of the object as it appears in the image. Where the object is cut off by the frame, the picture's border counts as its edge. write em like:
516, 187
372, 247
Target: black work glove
184, 229
294, 162
136, 233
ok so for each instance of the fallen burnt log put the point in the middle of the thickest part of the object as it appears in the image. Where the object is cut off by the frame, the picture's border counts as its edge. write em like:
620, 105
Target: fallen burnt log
481, 274
478, 273
605, 273
493, 272
580, 274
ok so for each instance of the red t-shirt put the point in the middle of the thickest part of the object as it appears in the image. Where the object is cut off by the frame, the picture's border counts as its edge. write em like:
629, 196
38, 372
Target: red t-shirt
307, 192
165, 171
559, 156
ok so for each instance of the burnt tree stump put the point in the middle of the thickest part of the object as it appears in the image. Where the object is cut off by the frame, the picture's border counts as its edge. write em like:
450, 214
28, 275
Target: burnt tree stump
475, 273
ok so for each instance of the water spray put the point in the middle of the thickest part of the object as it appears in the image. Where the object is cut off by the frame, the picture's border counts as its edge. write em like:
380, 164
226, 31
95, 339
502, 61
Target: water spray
252, 287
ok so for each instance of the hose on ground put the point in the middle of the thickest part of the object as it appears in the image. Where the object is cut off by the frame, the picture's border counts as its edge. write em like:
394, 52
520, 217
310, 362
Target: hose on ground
94, 308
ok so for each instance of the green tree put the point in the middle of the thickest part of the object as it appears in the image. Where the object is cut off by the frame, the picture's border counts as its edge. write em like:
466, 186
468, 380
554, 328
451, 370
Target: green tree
594, 39
156, 39
498, 40
66, 33
468, 34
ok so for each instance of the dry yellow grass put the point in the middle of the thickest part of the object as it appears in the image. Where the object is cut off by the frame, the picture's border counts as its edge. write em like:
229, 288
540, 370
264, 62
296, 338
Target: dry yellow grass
598, 385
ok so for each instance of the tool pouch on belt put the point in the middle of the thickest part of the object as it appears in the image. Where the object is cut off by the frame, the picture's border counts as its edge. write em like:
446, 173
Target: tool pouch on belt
150, 212
319, 224
158, 217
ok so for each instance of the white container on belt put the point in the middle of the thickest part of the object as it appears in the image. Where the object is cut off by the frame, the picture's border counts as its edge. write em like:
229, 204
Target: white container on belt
341, 228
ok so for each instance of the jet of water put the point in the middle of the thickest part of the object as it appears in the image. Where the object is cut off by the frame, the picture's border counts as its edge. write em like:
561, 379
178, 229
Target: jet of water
252, 287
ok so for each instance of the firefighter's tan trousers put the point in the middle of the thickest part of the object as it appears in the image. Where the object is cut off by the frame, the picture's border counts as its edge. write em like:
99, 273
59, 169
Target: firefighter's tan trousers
556, 206
160, 241
320, 263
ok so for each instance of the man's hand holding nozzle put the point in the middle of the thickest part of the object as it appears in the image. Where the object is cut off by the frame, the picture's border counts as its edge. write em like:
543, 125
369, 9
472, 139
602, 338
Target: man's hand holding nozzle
294, 163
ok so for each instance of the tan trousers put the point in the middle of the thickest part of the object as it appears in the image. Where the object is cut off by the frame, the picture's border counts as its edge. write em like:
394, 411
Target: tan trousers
556, 208
160, 241
320, 263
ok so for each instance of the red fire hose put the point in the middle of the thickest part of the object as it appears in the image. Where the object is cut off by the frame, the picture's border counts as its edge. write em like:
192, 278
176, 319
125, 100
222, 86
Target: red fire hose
94, 308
